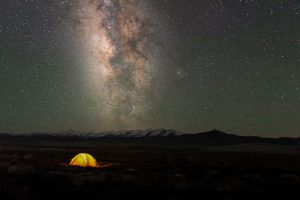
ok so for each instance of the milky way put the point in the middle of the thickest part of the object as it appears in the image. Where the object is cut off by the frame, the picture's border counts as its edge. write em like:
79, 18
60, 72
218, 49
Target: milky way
189, 65
118, 42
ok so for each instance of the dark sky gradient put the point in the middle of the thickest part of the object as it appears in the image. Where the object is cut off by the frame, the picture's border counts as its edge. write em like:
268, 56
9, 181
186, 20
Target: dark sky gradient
231, 65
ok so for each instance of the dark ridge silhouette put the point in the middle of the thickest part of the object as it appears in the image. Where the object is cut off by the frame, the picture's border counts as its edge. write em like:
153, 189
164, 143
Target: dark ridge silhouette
159, 136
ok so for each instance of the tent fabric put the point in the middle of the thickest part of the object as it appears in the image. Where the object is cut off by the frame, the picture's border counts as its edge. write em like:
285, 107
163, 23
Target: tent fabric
84, 160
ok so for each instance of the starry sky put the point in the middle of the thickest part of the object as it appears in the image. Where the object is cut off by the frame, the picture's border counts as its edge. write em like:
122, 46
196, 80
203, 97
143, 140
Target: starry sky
97, 65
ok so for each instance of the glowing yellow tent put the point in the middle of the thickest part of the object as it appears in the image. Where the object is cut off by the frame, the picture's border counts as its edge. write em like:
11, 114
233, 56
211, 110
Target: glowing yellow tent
84, 160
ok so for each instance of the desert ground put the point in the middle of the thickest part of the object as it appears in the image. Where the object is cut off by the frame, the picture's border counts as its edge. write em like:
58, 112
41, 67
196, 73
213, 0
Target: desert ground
40, 170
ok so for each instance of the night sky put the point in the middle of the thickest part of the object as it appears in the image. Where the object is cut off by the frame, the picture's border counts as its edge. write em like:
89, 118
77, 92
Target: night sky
196, 65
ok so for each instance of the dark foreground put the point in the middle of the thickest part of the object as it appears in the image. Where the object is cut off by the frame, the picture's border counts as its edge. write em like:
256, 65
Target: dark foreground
147, 172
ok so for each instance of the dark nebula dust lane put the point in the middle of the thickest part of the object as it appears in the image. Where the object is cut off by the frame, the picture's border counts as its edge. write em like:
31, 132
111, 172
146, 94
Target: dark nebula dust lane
120, 52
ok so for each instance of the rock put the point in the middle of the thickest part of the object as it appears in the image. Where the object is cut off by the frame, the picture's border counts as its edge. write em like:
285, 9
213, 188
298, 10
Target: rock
232, 186
291, 178
213, 174
28, 157
131, 170
178, 175
21, 169
255, 179
84, 178
15, 158
54, 175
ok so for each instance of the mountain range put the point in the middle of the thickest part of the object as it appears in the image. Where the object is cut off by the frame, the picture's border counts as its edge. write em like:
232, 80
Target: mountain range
165, 136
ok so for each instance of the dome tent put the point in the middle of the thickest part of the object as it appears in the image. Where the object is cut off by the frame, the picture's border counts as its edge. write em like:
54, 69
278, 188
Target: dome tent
84, 160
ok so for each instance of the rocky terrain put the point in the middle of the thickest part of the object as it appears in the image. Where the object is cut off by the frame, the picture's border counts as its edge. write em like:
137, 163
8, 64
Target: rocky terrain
37, 168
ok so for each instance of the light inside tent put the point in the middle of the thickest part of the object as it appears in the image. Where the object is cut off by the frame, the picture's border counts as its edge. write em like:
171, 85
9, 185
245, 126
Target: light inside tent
84, 160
